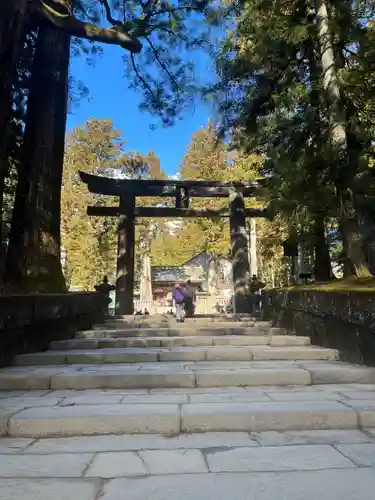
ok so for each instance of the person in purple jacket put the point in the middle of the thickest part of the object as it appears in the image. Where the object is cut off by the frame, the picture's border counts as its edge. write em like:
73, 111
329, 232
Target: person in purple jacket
179, 299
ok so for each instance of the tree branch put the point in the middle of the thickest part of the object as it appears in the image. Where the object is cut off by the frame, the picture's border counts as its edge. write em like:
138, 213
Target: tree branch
108, 13
170, 32
112, 36
163, 65
140, 77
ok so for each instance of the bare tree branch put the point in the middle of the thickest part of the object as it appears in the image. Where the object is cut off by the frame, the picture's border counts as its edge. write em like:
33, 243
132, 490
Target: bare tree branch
108, 13
170, 32
163, 65
141, 79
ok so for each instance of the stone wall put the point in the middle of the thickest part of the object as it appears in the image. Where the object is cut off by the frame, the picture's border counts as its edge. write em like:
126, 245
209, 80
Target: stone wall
29, 322
341, 320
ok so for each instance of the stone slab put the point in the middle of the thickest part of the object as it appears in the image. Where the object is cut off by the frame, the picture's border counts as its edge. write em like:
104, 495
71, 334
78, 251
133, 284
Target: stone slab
369, 395
92, 399
105, 343
5, 414
96, 393
48, 489
134, 442
261, 416
187, 341
116, 464
46, 358
229, 354
14, 445
98, 419
252, 377
370, 432
10, 394
257, 395
366, 411
363, 455
246, 365
341, 374
300, 395
273, 459
155, 399
203, 390
87, 357
283, 340
183, 354
122, 380
65, 345
242, 340
342, 484
294, 353
18, 381
174, 461
45, 465
23, 402
331, 437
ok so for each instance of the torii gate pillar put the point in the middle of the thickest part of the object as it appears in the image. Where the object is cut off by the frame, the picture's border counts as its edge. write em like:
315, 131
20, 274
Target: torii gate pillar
125, 257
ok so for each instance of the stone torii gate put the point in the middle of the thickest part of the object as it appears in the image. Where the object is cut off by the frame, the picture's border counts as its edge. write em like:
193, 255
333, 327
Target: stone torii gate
182, 191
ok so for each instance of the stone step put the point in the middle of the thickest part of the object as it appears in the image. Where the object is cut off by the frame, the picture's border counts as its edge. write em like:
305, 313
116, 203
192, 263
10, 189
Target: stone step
191, 323
208, 318
176, 331
183, 374
207, 442
172, 419
157, 321
142, 355
233, 340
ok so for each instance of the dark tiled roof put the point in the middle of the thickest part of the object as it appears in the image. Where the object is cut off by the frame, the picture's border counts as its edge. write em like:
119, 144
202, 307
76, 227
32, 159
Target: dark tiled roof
178, 274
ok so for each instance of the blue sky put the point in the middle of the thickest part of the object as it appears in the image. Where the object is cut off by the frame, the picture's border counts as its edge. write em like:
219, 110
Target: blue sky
111, 98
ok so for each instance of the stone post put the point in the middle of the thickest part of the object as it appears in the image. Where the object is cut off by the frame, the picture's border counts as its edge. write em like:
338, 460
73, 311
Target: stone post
239, 251
253, 247
125, 257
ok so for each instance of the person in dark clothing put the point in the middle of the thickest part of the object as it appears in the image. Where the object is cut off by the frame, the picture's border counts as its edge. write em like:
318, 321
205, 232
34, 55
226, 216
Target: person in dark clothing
255, 289
104, 289
179, 299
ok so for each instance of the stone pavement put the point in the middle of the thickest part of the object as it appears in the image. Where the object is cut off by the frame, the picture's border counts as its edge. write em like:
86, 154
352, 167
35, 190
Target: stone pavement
145, 409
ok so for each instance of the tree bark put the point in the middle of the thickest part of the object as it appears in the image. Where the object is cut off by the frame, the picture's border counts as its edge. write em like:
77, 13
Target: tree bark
12, 21
33, 261
338, 133
59, 13
322, 264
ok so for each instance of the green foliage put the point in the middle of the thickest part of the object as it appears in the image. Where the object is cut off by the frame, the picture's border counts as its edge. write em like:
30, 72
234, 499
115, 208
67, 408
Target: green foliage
274, 99
91, 242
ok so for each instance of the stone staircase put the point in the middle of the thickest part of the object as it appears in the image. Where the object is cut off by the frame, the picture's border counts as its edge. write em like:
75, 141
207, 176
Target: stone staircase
214, 397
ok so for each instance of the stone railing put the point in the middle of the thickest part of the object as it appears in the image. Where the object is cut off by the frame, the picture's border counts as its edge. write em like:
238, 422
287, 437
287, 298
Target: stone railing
341, 320
29, 322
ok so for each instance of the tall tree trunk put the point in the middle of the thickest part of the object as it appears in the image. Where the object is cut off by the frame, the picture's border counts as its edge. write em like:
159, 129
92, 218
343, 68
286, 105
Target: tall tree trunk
356, 140
12, 21
322, 265
34, 252
348, 220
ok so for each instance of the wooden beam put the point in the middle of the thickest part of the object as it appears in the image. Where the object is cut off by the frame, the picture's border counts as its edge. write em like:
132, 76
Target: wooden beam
171, 212
168, 188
